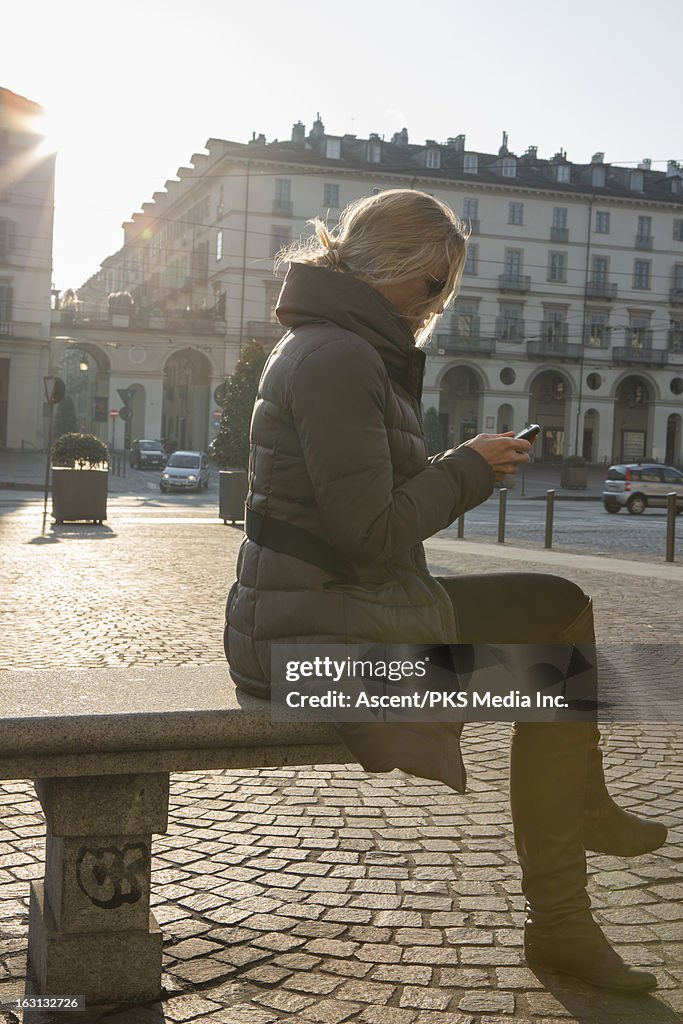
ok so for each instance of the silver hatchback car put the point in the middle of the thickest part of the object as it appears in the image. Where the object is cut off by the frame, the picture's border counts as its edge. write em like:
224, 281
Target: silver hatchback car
640, 485
185, 471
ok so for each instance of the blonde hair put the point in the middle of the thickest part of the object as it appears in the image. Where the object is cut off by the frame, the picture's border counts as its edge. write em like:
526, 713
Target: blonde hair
388, 238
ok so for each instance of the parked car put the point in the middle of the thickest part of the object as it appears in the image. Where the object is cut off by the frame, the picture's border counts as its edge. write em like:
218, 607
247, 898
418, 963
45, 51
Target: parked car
639, 485
185, 471
147, 455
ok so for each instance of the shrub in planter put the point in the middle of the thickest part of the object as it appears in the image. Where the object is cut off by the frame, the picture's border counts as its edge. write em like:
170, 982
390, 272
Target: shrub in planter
80, 476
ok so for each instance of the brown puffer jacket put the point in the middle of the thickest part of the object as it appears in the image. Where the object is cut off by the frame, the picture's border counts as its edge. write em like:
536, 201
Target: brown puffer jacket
338, 449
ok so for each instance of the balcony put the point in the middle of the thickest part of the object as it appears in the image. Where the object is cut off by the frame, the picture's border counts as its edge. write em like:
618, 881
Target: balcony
264, 331
644, 241
454, 344
6, 329
676, 296
509, 330
514, 283
283, 207
551, 348
644, 354
559, 234
601, 290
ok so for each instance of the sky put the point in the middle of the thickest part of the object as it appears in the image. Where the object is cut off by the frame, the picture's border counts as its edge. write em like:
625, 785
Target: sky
132, 94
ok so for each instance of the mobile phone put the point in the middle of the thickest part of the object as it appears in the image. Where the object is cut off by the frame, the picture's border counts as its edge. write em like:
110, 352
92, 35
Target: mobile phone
529, 433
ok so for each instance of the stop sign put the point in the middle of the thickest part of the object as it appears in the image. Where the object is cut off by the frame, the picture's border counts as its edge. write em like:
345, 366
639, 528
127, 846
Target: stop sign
113, 413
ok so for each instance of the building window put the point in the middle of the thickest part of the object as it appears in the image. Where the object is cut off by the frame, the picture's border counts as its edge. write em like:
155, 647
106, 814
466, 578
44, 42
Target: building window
597, 329
331, 196
554, 327
678, 229
374, 151
678, 277
470, 163
333, 149
599, 270
598, 177
513, 264
280, 236
283, 190
557, 266
559, 217
219, 246
6, 301
510, 326
636, 181
472, 260
7, 237
641, 274
433, 159
602, 222
644, 227
465, 318
470, 209
508, 167
220, 207
639, 330
563, 173
515, 213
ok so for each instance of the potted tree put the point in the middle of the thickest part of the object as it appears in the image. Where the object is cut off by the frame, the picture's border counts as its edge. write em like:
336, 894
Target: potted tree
80, 475
230, 447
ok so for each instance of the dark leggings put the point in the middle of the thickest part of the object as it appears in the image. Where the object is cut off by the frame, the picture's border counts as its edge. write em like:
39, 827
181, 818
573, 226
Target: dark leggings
513, 607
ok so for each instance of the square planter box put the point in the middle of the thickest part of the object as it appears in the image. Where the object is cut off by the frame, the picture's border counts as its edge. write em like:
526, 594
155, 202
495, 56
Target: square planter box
232, 494
79, 494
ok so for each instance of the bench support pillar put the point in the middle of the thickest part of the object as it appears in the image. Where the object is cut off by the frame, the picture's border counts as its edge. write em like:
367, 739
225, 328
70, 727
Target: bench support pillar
91, 932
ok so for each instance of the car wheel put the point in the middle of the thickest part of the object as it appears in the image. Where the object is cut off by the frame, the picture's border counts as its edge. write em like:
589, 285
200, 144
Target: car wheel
612, 509
636, 505
162, 488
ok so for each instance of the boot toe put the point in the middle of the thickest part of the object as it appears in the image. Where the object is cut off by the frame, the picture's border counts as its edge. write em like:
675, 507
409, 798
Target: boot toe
622, 834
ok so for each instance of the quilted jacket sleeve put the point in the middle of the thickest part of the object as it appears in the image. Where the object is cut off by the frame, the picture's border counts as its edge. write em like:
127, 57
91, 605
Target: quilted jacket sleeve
338, 399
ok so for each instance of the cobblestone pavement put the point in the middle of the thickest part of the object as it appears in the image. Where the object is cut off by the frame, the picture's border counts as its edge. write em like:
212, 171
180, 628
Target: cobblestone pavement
325, 896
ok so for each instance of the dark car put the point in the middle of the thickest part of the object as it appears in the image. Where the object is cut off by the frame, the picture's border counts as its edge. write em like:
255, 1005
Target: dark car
147, 455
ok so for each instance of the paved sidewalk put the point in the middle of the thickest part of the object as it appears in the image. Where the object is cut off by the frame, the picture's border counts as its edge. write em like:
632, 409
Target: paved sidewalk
326, 896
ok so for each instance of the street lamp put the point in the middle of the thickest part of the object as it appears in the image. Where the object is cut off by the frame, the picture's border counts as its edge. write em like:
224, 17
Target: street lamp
55, 389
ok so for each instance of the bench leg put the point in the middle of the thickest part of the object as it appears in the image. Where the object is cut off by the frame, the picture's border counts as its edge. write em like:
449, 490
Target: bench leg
91, 932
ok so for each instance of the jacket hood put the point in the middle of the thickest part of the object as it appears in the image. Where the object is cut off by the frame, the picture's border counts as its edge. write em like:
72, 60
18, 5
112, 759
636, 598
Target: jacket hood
313, 294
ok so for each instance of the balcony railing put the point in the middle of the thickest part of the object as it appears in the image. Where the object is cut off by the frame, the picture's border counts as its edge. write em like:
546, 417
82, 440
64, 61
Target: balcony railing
6, 329
509, 330
655, 356
264, 331
283, 207
676, 296
559, 234
601, 290
644, 241
514, 283
552, 348
448, 344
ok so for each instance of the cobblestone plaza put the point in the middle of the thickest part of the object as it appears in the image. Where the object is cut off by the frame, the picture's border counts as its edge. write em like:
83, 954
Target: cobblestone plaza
328, 895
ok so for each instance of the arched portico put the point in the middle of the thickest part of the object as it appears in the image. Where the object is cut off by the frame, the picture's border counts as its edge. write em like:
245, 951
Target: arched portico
186, 400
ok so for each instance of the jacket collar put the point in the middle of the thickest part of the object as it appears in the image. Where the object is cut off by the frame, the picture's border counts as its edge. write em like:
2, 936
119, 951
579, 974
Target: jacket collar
313, 294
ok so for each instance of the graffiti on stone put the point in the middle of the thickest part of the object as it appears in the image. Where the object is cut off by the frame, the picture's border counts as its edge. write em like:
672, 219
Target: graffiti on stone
111, 876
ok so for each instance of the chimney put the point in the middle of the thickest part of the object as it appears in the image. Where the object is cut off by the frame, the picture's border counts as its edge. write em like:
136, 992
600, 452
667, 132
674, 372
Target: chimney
645, 165
318, 128
598, 158
532, 152
673, 169
400, 138
299, 133
458, 143
503, 151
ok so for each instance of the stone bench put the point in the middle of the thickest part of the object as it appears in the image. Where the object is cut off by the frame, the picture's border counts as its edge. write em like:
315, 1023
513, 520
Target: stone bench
99, 744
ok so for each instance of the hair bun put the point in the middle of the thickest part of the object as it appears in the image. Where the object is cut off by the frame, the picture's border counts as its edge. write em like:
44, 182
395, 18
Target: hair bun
332, 257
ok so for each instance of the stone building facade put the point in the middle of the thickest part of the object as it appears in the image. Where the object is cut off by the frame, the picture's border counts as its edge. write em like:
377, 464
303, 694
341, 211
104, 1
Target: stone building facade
570, 311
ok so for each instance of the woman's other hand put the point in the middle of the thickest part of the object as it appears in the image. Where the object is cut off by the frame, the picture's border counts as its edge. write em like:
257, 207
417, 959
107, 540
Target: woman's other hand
504, 453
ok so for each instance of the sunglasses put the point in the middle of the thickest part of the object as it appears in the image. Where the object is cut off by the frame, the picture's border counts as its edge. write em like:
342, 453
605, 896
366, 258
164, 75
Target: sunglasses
435, 286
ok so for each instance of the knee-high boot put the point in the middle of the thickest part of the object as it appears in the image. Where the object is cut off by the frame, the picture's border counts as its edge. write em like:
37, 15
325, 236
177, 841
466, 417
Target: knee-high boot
607, 827
547, 789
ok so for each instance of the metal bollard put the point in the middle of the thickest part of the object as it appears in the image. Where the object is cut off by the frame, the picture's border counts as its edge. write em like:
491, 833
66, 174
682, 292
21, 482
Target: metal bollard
670, 526
502, 504
461, 526
550, 505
